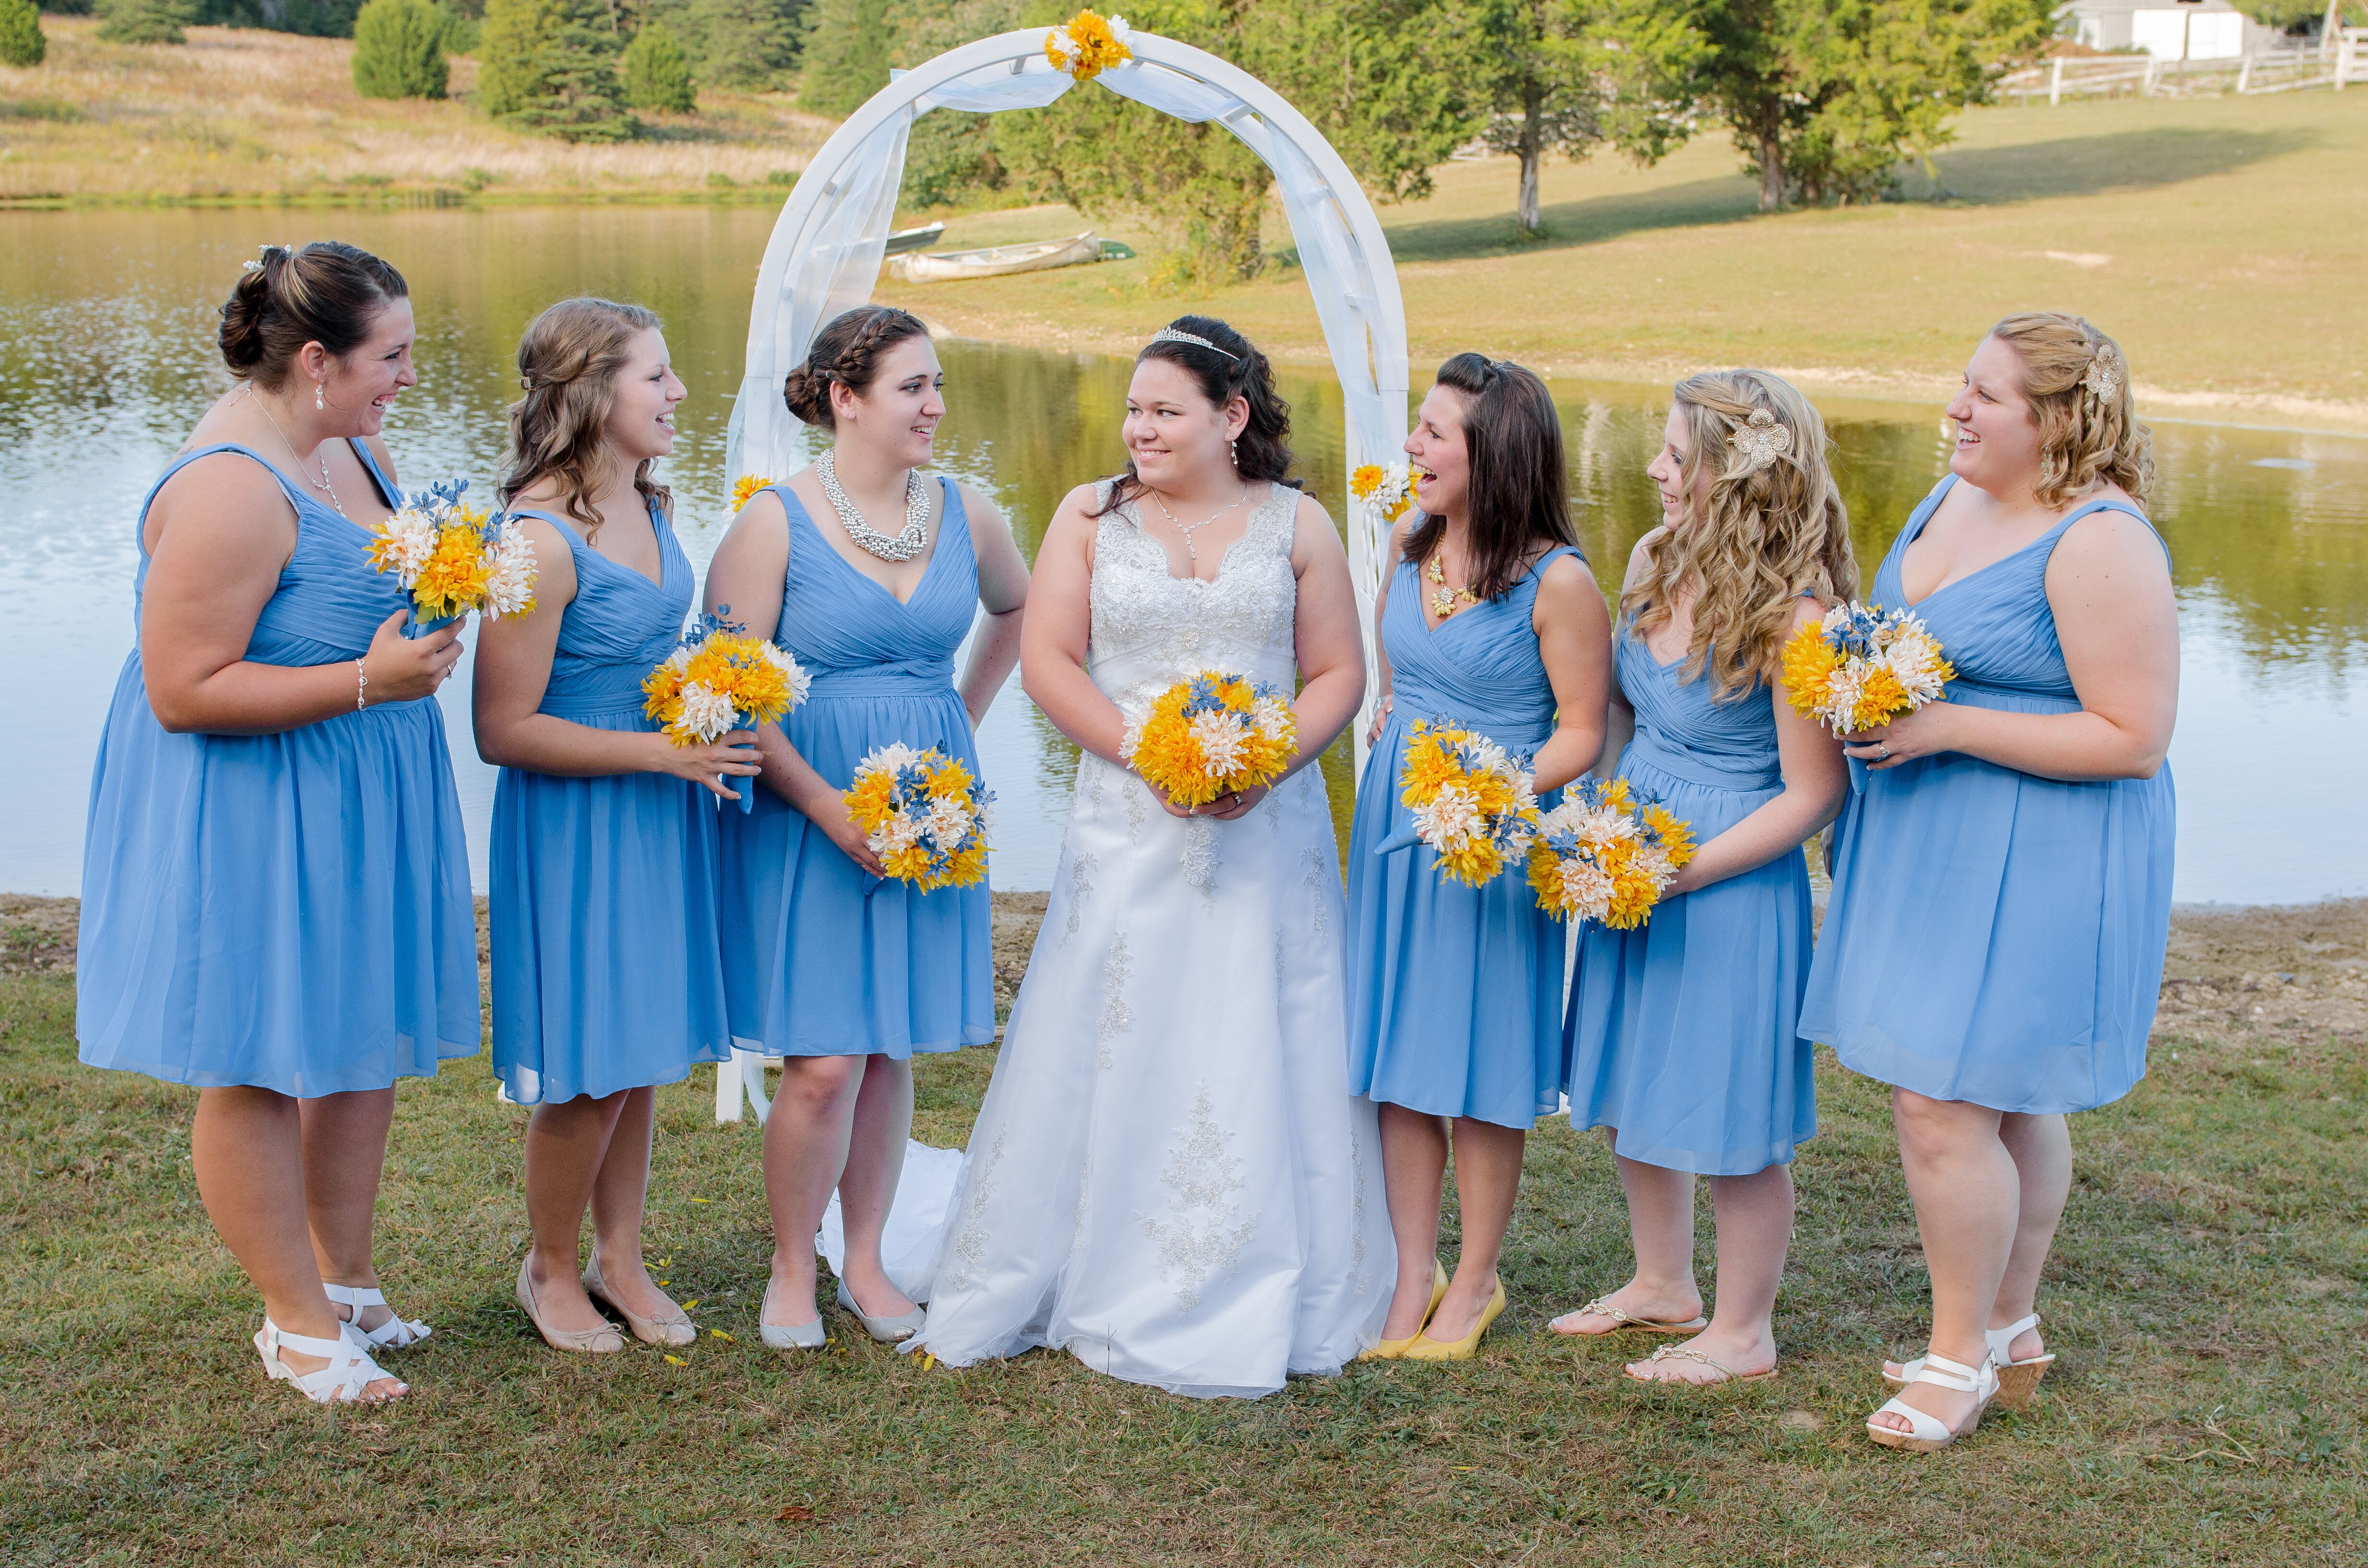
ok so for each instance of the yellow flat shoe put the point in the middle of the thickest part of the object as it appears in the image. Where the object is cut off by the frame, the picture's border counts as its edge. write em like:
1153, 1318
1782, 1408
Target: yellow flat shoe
1391, 1349
1425, 1349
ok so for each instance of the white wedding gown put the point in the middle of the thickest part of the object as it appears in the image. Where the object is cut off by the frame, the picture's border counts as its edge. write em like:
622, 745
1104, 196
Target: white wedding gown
1169, 1178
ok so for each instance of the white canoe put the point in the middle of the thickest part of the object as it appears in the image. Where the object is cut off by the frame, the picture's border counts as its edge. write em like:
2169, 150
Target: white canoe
996, 261
904, 240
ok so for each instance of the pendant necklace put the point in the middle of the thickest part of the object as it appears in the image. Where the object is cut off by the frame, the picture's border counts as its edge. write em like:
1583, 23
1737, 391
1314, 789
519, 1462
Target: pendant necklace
905, 545
1445, 601
1191, 550
321, 484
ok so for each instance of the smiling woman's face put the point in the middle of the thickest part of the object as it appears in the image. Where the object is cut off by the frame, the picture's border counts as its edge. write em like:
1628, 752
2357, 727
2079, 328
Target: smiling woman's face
1173, 432
1440, 457
641, 415
1667, 469
1998, 441
899, 411
362, 383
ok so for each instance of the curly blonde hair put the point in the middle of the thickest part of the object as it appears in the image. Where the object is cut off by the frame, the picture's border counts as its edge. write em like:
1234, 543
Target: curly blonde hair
2078, 383
1772, 528
568, 362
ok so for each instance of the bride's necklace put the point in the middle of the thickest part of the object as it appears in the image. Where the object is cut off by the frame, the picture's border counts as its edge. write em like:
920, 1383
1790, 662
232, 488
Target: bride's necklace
1191, 550
1445, 601
905, 545
321, 484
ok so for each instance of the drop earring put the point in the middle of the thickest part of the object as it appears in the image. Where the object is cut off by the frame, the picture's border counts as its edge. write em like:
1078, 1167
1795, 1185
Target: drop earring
1233, 456
318, 404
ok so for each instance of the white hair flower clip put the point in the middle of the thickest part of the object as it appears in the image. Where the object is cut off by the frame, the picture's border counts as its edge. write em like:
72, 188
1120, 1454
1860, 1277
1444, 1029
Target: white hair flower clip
2103, 379
1760, 440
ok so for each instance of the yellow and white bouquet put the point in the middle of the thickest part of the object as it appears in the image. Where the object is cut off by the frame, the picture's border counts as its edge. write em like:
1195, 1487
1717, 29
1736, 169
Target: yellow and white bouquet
1211, 734
454, 558
1604, 855
924, 815
720, 679
1386, 491
1087, 43
1859, 667
1473, 803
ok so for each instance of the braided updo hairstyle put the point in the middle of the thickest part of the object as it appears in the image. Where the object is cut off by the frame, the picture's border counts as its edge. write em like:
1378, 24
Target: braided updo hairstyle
568, 363
1233, 368
326, 293
2077, 384
846, 351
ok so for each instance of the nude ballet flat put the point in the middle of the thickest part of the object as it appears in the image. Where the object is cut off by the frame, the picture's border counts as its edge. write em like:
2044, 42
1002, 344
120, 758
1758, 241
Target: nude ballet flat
788, 1336
1392, 1349
676, 1330
601, 1341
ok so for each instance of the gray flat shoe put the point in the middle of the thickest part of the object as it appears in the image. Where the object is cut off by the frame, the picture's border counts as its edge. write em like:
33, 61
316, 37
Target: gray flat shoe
674, 1330
789, 1337
888, 1331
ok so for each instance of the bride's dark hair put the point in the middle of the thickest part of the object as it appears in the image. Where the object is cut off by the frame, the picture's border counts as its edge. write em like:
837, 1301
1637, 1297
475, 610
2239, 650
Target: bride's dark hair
1233, 368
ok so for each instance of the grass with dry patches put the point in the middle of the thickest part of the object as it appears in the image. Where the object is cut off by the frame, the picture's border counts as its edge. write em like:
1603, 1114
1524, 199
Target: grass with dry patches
2206, 1298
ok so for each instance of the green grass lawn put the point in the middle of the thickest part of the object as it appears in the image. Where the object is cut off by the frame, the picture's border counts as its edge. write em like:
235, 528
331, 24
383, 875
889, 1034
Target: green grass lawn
2222, 240
2206, 1300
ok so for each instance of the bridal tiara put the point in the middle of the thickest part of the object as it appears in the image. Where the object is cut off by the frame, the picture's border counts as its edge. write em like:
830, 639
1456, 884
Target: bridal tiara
1169, 334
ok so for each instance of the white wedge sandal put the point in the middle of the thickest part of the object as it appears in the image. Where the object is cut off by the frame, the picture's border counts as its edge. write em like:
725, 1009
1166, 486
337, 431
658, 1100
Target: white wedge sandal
1928, 1434
2018, 1380
395, 1334
350, 1369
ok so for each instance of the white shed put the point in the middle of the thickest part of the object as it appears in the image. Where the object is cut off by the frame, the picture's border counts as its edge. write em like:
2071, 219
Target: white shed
2168, 30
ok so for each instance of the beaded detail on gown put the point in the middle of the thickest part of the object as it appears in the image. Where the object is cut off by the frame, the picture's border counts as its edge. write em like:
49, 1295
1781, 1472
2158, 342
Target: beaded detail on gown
1169, 1177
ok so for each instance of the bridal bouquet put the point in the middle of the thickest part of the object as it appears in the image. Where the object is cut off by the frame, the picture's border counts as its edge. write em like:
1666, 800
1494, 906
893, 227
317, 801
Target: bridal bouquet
1211, 734
1386, 491
924, 815
1859, 667
1603, 855
454, 558
720, 679
1473, 803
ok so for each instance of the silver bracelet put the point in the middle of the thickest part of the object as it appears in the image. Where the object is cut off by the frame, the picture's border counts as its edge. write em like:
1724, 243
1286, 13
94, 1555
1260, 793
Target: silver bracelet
361, 687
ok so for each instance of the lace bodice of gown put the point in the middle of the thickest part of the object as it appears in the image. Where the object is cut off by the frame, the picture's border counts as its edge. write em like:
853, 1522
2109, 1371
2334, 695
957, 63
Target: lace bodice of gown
1150, 627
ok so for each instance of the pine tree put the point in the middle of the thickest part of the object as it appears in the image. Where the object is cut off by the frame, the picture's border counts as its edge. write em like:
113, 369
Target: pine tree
656, 73
21, 39
399, 49
747, 44
143, 21
848, 48
550, 65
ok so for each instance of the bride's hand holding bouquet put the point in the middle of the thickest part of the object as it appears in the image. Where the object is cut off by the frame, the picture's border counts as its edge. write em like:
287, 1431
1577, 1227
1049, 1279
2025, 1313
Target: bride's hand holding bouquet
1213, 740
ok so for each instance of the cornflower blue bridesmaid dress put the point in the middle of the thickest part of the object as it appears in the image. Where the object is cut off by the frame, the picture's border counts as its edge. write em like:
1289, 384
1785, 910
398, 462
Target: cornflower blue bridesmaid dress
1995, 936
606, 974
1455, 993
815, 963
287, 911
1682, 1033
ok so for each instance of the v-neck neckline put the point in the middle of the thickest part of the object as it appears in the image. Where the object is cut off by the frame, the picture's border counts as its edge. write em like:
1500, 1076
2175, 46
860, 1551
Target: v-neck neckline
928, 567
2066, 520
656, 536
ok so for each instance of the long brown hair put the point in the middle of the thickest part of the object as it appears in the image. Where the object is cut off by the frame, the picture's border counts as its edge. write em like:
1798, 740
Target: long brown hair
2077, 384
1772, 528
1519, 494
1233, 368
568, 362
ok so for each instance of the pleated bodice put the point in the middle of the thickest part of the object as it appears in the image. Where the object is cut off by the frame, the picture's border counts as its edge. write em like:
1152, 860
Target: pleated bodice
620, 626
852, 635
1479, 669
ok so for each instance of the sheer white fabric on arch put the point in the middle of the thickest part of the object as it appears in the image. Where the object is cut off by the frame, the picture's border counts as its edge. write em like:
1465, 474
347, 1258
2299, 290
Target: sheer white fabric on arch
825, 250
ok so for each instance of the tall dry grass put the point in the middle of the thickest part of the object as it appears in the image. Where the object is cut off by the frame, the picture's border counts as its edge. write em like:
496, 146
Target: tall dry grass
246, 115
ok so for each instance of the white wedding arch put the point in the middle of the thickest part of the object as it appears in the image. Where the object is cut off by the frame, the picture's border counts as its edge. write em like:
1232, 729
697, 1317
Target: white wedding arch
825, 250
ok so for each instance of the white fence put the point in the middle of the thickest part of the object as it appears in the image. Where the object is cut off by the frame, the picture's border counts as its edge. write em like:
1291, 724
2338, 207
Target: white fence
2342, 61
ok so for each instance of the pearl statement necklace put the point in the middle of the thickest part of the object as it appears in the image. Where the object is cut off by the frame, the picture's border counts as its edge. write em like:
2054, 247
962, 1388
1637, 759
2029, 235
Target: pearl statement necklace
905, 545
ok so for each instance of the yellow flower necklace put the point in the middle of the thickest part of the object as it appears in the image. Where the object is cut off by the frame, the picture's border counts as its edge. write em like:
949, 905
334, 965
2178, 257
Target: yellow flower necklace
1445, 601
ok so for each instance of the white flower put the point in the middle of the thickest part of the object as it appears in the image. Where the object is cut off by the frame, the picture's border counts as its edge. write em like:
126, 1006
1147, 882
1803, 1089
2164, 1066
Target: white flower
1271, 718
1221, 737
679, 660
948, 823
706, 712
894, 756
1450, 820
1134, 738
411, 541
794, 672
894, 836
1119, 30
509, 586
1587, 887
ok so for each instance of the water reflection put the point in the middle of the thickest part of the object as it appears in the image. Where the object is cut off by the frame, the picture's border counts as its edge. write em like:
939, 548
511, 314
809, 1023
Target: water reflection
106, 321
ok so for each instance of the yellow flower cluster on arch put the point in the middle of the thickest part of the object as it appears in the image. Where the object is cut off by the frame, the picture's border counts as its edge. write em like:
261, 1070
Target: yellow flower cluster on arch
1087, 44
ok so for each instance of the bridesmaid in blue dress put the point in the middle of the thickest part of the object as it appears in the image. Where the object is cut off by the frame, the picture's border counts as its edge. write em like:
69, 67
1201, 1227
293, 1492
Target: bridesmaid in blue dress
1492, 622
870, 576
275, 898
2001, 902
606, 977
1682, 1034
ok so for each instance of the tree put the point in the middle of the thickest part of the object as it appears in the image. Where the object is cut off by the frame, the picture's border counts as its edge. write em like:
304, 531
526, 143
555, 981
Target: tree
656, 73
143, 21
1826, 98
748, 44
848, 45
1367, 73
1566, 75
22, 42
550, 65
399, 50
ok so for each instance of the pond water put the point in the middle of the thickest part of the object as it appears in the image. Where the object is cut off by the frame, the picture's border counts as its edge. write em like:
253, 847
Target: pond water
106, 354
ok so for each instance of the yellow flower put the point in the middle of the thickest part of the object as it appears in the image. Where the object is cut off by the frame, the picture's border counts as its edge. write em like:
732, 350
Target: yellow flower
746, 490
1173, 750
1087, 43
1810, 660
1365, 480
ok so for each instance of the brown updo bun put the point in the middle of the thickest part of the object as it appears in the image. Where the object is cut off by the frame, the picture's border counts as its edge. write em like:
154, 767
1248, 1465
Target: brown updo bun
326, 293
847, 351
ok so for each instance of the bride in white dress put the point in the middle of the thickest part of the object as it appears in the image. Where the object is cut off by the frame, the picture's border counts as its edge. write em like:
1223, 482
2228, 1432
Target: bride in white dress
1169, 1178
